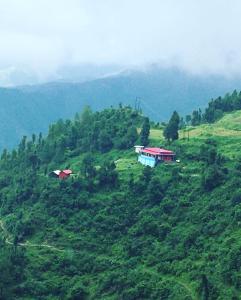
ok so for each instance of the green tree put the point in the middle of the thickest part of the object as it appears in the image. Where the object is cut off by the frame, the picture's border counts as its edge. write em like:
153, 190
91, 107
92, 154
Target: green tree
188, 119
212, 177
131, 136
107, 174
171, 130
105, 142
77, 292
196, 117
155, 192
145, 131
88, 168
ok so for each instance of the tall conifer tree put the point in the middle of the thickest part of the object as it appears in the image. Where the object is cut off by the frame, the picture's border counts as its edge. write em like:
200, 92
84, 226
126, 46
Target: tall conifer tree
171, 130
145, 131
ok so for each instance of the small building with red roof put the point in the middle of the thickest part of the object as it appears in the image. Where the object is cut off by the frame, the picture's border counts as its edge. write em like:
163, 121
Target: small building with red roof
151, 156
64, 174
61, 174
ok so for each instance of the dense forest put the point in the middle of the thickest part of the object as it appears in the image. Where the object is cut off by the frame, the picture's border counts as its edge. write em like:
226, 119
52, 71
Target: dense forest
216, 109
117, 229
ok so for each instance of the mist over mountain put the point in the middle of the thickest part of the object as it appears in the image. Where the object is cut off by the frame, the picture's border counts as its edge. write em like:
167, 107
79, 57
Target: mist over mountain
18, 76
29, 109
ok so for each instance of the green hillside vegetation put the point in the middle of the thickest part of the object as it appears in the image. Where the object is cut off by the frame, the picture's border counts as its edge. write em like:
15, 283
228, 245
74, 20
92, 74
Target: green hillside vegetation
216, 109
117, 229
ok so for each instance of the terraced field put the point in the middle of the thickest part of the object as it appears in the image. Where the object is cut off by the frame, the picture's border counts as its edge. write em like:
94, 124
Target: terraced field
226, 132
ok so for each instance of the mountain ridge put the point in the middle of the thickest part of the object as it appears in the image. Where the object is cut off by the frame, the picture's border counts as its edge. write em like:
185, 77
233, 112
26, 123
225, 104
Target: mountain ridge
158, 91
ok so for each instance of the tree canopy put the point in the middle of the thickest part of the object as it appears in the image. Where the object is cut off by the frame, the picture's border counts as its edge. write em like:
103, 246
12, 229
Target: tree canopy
171, 130
117, 229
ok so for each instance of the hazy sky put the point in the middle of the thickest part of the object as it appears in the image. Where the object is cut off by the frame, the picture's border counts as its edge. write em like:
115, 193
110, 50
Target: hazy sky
43, 35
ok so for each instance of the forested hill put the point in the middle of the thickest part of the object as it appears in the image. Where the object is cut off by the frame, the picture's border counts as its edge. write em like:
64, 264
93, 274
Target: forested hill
25, 110
117, 229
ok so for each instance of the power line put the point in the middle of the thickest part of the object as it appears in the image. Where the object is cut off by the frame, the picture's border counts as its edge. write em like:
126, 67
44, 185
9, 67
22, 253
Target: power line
150, 108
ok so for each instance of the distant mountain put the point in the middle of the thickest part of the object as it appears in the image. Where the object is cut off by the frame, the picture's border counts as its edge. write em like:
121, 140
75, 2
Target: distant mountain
29, 109
17, 76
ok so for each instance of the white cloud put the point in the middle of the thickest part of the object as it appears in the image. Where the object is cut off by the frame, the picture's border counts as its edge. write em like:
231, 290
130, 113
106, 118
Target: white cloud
201, 36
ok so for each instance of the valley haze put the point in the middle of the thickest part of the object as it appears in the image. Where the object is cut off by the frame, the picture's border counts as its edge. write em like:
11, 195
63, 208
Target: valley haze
31, 109
120, 162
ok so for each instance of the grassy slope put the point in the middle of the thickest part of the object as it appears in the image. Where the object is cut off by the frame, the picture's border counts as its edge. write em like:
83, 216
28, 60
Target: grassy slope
227, 133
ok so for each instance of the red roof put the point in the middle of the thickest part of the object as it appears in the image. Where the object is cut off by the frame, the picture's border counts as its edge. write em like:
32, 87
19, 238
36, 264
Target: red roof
67, 172
157, 151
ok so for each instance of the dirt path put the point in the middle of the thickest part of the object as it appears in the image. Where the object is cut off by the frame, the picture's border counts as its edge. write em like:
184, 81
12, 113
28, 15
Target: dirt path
9, 240
189, 290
